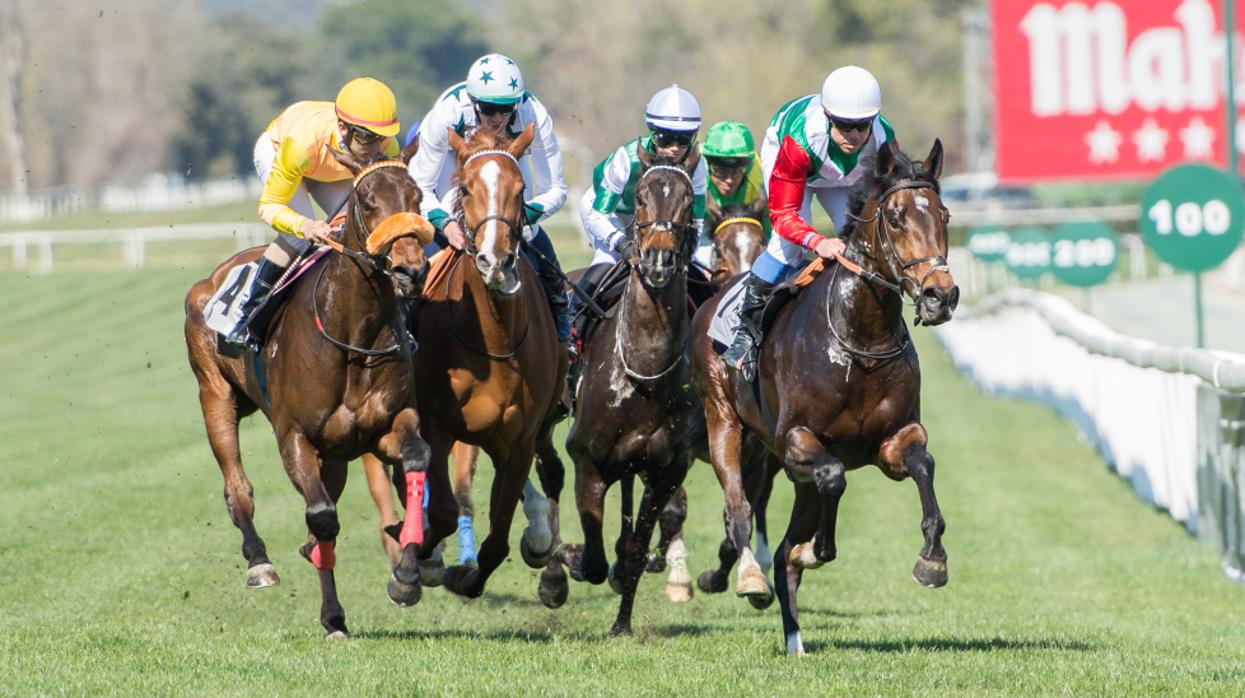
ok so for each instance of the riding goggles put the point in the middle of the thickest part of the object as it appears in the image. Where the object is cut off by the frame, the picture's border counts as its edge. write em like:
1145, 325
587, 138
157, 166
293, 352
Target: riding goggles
363, 136
665, 139
725, 163
844, 125
493, 109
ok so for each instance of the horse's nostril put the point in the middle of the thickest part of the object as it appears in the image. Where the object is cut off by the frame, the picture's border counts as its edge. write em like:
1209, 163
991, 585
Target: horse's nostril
955, 297
933, 294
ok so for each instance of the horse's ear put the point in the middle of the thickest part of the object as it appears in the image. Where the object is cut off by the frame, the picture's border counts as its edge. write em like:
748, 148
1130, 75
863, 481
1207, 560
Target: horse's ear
759, 207
885, 161
692, 160
409, 151
347, 160
645, 157
458, 145
520, 145
933, 163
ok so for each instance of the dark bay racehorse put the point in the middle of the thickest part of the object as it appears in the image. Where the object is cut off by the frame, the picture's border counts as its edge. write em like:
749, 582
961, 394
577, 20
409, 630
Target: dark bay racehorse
839, 378
337, 370
635, 414
490, 367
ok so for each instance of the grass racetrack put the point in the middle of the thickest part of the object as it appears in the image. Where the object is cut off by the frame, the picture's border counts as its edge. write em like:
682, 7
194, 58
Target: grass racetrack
120, 571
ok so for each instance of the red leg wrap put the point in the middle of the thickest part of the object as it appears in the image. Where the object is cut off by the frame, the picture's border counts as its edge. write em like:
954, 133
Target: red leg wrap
322, 556
413, 526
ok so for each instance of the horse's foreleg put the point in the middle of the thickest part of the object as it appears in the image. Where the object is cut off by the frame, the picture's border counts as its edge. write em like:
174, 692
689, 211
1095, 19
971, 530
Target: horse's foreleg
379, 485
441, 508
626, 529
631, 561
931, 566
587, 562
553, 588
512, 469
403, 445
790, 568
464, 457
672, 550
805, 454
321, 485
220, 416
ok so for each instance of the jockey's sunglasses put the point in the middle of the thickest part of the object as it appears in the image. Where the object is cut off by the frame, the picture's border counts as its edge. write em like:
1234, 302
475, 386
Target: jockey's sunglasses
364, 136
665, 139
722, 163
491, 109
850, 124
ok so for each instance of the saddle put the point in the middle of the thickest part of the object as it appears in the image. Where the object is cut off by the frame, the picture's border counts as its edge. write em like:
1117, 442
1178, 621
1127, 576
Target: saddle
726, 319
263, 315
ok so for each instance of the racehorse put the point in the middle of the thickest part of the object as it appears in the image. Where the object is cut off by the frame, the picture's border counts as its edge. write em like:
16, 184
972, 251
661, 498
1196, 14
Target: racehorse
334, 376
635, 413
738, 239
839, 380
490, 368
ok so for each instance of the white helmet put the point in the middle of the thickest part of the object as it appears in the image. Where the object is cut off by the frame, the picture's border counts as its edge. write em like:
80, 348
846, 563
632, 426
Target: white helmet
673, 109
852, 93
495, 78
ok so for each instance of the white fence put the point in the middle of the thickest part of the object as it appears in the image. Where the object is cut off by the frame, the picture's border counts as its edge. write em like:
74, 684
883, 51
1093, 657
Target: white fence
1170, 421
34, 250
156, 193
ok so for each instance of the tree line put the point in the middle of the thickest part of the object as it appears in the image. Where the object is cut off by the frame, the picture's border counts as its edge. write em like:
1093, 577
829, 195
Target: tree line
95, 91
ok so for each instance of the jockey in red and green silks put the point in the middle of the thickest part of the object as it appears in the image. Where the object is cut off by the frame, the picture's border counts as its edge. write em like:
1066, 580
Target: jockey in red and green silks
811, 148
735, 171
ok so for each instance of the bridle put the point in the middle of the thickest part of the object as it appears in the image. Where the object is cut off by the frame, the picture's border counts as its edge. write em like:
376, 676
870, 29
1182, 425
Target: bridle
688, 230
377, 263
884, 241
513, 227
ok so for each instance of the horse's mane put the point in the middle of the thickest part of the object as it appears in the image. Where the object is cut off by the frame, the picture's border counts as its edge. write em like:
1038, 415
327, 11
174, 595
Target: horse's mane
872, 185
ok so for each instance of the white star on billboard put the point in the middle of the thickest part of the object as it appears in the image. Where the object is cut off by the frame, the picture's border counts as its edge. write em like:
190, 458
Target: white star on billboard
1151, 141
1103, 142
1199, 140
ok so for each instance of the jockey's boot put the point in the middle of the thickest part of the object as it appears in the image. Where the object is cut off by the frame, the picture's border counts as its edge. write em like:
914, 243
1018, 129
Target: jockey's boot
261, 286
582, 316
551, 279
742, 353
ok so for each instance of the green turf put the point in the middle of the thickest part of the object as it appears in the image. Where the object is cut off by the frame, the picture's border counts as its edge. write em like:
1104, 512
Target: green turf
120, 572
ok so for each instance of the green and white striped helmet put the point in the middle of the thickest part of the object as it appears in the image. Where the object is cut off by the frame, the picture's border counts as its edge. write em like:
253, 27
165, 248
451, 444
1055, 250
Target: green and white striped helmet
496, 79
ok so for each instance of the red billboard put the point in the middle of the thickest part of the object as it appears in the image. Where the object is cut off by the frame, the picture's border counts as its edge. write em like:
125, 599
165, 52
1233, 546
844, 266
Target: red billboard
1115, 89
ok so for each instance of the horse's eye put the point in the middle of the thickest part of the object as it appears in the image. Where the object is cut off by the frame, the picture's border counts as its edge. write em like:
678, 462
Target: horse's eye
892, 218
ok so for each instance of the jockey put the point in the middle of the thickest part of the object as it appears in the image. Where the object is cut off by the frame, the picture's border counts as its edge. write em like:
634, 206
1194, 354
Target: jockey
493, 97
607, 209
811, 147
734, 170
294, 161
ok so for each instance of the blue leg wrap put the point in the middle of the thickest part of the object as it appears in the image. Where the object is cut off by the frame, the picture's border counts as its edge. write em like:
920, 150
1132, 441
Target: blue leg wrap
466, 540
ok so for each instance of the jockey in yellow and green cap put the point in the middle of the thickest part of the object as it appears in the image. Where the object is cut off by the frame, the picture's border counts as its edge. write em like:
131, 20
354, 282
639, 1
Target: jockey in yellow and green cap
294, 160
735, 173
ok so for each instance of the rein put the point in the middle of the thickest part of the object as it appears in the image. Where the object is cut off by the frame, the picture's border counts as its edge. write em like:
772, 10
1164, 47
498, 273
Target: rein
886, 244
373, 262
622, 354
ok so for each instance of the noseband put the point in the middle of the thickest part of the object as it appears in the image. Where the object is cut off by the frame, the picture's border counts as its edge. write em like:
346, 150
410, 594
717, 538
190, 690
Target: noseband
886, 244
682, 227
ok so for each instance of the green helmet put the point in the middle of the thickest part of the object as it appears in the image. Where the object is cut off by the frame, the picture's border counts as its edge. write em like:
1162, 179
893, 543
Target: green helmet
728, 139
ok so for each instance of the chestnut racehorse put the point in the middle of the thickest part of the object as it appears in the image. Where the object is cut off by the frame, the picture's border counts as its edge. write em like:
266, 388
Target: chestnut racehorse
839, 381
334, 377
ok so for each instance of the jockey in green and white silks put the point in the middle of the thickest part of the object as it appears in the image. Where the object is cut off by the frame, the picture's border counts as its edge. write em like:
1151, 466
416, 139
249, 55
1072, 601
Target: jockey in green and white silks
735, 170
494, 97
811, 148
607, 209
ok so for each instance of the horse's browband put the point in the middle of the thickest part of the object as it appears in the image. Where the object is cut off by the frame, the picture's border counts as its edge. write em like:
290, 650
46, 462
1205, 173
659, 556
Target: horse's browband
379, 164
680, 170
490, 151
737, 219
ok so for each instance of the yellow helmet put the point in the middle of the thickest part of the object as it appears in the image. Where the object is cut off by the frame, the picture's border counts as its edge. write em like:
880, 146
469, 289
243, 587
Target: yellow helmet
369, 104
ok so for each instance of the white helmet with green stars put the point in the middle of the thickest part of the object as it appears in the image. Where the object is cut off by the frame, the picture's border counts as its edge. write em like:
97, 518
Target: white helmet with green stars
496, 79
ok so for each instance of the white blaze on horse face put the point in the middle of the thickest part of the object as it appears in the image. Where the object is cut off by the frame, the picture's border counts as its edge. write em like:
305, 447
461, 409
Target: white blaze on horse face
490, 174
743, 243
922, 203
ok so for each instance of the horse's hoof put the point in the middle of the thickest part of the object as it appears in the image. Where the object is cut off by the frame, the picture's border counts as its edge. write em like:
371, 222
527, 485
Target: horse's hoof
615, 583
620, 630
761, 603
402, 594
262, 575
752, 582
803, 557
553, 588
678, 593
531, 558
337, 635
930, 574
431, 572
456, 580
656, 563
711, 582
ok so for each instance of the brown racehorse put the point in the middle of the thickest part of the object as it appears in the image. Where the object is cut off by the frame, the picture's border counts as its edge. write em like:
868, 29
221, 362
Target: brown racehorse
635, 413
839, 380
337, 366
490, 368
738, 239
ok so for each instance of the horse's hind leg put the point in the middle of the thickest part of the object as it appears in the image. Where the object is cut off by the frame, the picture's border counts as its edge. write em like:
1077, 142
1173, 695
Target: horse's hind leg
553, 588
794, 557
758, 497
220, 416
379, 485
672, 550
320, 485
909, 443
725, 450
464, 457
